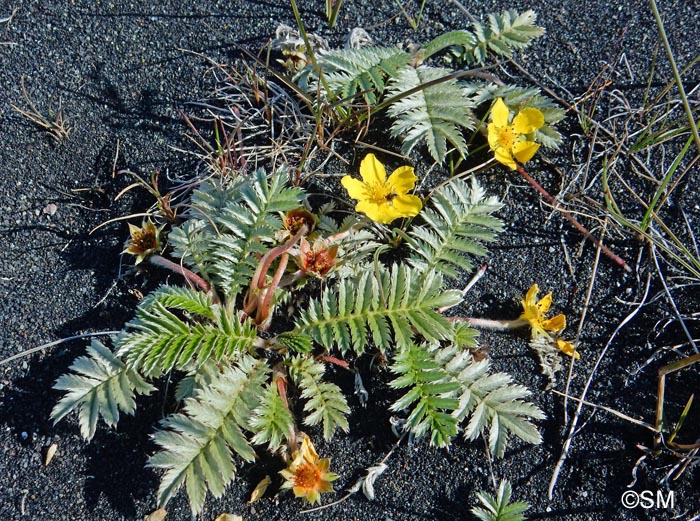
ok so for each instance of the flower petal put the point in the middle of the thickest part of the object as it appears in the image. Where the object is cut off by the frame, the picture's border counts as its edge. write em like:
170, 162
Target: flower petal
134, 230
288, 476
382, 214
325, 486
372, 171
323, 465
407, 205
557, 323
356, 188
504, 157
545, 303
524, 150
402, 180
308, 450
531, 296
500, 113
528, 120
568, 349
492, 136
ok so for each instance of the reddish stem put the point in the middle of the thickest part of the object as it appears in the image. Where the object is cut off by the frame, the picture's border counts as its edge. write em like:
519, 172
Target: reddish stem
257, 283
265, 298
616, 258
282, 389
191, 277
334, 360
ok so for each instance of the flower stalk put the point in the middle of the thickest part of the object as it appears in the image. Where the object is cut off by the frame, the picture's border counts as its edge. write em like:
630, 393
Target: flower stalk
607, 251
191, 277
260, 295
488, 323
264, 310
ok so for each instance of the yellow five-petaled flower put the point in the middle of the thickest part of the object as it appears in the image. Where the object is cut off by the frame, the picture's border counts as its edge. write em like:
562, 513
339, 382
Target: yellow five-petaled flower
383, 200
307, 474
535, 311
512, 139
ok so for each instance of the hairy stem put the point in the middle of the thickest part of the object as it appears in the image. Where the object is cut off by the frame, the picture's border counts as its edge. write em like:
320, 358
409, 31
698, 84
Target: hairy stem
335, 360
491, 324
265, 298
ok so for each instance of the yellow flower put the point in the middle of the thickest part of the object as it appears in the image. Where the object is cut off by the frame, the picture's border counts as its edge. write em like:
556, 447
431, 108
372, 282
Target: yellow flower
534, 312
511, 140
307, 474
144, 240
382, 199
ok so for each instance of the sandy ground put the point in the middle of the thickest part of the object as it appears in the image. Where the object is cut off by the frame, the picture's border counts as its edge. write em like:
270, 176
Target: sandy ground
122, 71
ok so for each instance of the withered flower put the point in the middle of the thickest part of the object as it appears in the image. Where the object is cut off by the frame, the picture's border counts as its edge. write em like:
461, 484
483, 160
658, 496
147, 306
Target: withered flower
144, 241
307, 475
535, 311
317, 258
535, 314
295, 219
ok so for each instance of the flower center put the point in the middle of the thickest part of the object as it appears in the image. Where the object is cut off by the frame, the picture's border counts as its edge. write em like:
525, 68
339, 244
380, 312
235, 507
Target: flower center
319, 262
380, 194
507, 137
144, 241
307, 476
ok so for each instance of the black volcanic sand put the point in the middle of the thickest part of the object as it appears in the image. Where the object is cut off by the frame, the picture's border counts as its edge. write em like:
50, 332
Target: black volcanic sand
123, 71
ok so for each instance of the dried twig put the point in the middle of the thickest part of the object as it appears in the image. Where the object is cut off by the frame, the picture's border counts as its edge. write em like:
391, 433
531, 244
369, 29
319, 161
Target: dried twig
8, 20
584, 312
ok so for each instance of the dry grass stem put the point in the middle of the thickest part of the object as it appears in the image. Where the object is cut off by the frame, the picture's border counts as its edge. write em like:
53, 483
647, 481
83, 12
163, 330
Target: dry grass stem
54, 123
246, 110
584, 312
574, 421
55, 343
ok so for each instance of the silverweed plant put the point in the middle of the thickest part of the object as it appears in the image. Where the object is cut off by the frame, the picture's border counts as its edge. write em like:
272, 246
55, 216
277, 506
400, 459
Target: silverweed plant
277, 288
248, 247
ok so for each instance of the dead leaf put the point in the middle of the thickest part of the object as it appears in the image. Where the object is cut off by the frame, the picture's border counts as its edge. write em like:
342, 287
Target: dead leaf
50, 452
260, 489
229, 517
157, 515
